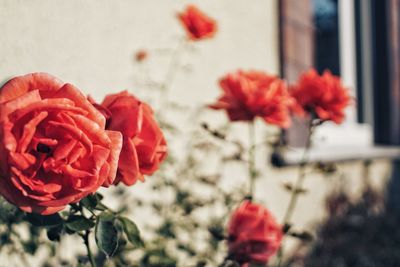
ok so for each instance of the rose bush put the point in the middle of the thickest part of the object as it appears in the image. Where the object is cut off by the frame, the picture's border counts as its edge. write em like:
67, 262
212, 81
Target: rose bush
54, 149
323, 95
251, 94
144, 145
198, 25
253, 234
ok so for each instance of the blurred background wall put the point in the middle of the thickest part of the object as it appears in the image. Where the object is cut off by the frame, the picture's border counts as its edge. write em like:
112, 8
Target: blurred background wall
92, 43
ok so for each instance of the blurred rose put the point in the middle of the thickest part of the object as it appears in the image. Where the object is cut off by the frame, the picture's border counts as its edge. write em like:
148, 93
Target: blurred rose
141, 55
54, 148
197, 24
253, 234
144, 146
324, 95
250, 94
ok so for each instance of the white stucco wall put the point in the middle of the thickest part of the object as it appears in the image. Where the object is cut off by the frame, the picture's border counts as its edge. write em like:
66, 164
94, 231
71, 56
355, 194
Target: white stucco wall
91, 43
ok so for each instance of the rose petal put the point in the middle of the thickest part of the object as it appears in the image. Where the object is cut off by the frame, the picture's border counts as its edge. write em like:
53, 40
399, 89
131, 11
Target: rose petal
76, 153
115, 150
9, 141
128, 165
71, 92
29, 131
19, 103
110, 99
64, 149
48, 105
92, 129
37, 189
59, 129
21, 85
21, 161
68, 170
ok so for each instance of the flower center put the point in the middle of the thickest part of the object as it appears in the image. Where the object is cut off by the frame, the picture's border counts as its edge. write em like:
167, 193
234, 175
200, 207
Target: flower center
42, 148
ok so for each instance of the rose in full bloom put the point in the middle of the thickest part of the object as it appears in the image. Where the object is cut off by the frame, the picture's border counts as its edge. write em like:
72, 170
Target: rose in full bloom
198, 25
253, 234
251, 94
54, 149
322, 95
144, 145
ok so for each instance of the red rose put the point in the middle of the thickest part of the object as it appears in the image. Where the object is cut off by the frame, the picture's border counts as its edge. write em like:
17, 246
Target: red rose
254, 235
197, 24
255, 94
54, 149
324, 95
144, 146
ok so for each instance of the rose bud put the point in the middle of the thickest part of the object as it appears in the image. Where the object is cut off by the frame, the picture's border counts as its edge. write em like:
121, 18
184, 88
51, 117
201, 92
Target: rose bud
198, 25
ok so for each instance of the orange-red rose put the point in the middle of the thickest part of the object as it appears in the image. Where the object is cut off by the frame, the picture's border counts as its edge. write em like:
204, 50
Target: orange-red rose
253, 234
323, 95
144, 145
197, 24
54, 149
251, 94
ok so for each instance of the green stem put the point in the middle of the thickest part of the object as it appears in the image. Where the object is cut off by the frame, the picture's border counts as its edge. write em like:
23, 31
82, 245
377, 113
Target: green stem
251, 163
171, 73
297, 188
89, 251
300, 178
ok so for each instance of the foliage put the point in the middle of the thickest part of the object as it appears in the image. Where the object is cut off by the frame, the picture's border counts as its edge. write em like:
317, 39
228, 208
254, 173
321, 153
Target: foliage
357, 232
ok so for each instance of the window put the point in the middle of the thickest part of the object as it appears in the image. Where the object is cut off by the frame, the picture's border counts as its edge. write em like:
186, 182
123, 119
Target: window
326, 23
321, 34
360, 41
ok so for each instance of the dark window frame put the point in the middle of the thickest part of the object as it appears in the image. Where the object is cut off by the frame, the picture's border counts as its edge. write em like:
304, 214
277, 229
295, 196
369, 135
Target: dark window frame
378, 65
377, 62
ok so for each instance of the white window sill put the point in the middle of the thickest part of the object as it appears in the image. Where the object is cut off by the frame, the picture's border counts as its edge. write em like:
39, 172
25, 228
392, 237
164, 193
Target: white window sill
333, 144
338, 154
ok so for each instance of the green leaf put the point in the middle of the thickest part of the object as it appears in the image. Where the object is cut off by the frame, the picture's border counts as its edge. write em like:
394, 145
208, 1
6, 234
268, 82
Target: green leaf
30, 247
131, 231
79, 223
99, 196
4, 239
158, 257
93, 202
90, 202
54, 233
7, 211
41, 220
107, 216
106, 233
217, 232
167, 229
101, 206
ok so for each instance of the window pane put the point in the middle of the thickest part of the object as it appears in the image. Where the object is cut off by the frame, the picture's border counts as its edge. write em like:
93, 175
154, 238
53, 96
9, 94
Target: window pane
326, 35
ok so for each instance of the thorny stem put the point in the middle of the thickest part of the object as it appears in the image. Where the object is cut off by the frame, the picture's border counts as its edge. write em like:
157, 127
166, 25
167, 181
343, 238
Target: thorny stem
297, 187
89, 251
171, 73
300, 179
85, 237
251, 164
